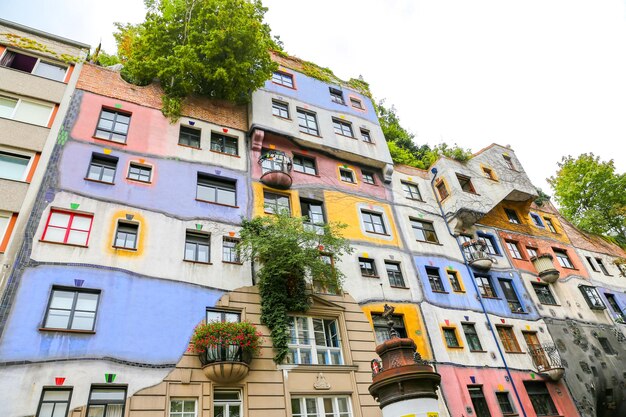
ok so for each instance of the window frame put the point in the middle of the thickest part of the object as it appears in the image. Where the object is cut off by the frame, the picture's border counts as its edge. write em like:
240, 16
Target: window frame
366, 135
19, 154
379, 327
509, 162
239, 401
466, 182
39, 60
91, 402
54, 388
223, 314
217, 143
231, 250
510, 295
18, 103
142, 168
419, 225
356, 100
368, 177
451, 330
372, 215
102, 161
304, 158
481, 400
509, 403
614, 305
320, 406
442, 190
343, 128
72, 310
267, 194
532, 393
603, 267
182, 134
537, 221
474, 339
373, 268
190, 235
542, 297
171, 413
305, 211
281, 81
406, 188
336, 96
592, 297
396, 276
72, 215
480, 283
112, 131
456, 283
281, 107
311, 126
313, 348
513, 248
512, 216
343, 171
130, 225
491, 242
434, 279
550, 224
489, 173
510, 340
563, 258
218, 183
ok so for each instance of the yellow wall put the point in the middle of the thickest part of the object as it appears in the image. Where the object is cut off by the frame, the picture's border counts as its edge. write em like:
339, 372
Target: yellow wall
258, 206
141, 238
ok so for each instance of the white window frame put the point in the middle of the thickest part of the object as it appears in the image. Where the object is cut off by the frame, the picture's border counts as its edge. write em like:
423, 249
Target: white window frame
29, 155
19, 102
312, 347
320, 410
58, 64
183, 413
228, 403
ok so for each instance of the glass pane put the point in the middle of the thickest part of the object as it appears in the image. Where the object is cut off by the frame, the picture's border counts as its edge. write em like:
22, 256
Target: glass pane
226, 197
226, 395
328, 406
51, 71
56, 395
343, 405
189, 406
59, 219
96, 411
108, 394
62, 299
305, 356
6, 106
46, 410
87, 301
218, 410
295, 406
60, 410
114, 410
105, 124
77, 238
206, 193
83, 320
81, 223
190, 251
54, 234
311, 406
34, 113
203, 253
176, 405
13, 167
57, 319
234, 411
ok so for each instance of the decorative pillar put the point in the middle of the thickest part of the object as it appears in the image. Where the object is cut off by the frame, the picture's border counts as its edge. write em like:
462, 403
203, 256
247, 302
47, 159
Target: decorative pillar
404, 384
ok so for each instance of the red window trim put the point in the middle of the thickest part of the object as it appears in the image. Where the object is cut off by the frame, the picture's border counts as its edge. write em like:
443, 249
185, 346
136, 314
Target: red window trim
69, 225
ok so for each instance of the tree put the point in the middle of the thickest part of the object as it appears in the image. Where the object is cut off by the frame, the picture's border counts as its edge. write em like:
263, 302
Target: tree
592, 195
215, 48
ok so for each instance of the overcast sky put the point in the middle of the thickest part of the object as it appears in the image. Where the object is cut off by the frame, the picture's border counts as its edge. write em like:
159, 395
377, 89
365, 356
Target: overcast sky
547, 77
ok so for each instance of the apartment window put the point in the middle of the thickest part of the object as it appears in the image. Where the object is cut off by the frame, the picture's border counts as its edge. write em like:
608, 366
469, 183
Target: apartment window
368, 267
504, 401
550, 225
33, 65
224, 144
342, 128
307, 121
472, 337
25, 111
106, 401
304, 164
394, 273
466, 183
537, 220
511, 296
610, 298
490, 241
373, 222
276, 203
485, 287
592, 297
442, 190
509, 162
230, 253
222, 316
622, 269
283, 78
365, 135
216, 190
356, 103
68, 227
320, 407
126, 235
424, 231
411, 191
478, 401
449, 334
563, 259
227, 403
182, 408
189, 136
13, 166
113, 126
197, 247
514, 249
606, 346
102, 168
138, 172
381, 327
455, 283
540, 398
54, 402
489, 174
592, 264
336, 95
5, 219
313, 211
512, 216
347, 175
602, 267
508, 339
280, 109
532, 252
543, 293
434, 279
71, 309
368, 177
314, 341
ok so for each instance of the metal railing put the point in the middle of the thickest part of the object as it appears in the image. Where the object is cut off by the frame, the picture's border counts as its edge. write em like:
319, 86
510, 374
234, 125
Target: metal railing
275, 161
545, 357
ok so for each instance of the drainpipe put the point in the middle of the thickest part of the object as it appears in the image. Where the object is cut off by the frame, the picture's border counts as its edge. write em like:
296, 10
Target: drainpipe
480, 299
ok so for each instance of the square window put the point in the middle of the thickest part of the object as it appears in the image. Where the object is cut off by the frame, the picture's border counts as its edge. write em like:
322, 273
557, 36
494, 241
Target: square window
449, 333
490, 241
313, 211
307, 122
276, 203
508, 339
227, 403
550, 225
537, 220
54, 402
544, 295
197, 247
455, 283
280, 109
472, 337
356, 103
222, 316
592, 297
68, 227
365, 135
138, 172
489, 174
394, 273
436, 284
224, 144
368, 177
504, 401
7, 107
126, 235
508, 162
368, 267
182, 408
283, 78
466, 183
230, 252
373, 222
106, 401
485, 288
478, 401
188, 136
564, 260
304, 164
14, 166
113, 126
314, 340
540, 398
532, 252
424, 231
218, 190
442, 190
347, 175
512, 216
381, 326
336, 95
513, 249
71, 309
411, 191
342, 127
102, 168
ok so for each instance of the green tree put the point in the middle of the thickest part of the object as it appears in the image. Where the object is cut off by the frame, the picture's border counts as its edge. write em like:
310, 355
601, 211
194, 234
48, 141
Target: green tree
592, 195
215, 48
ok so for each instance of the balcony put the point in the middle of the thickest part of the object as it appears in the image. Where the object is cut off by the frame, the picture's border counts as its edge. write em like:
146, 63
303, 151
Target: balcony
545, 268
477, 255
547, 360
225, 363
276, 167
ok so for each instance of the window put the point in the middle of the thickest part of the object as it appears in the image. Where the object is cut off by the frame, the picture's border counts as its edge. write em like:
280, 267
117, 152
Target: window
314, 213
33, 65
227, 403
197, 247
489, 174
606, 346
314, 341
25, 111
622, 269
537, 220
394, 273
592, 297
14, 166
273, 161
102, 168
610, 298
336, 95
509, 162
455, 283
222, 316
514, 249
466, 183
411, 191
478, 401
320, 407
342, 128
138, 172
511, 296
543, 293
283, 78
368, 267
365, 135
54, 402
356, 103
230, 253
505, 403
434, 279
381, 327
68, 227
106, 401
275, 203
472, 337
126, 235
550, 225
216, 190
592, 264
280, 109
5, 219
307, 122
182, 408
373, 222
508, 339
424, 231
449, 334
368, 177
322, 287
189, 137
484, 286
442, 190
490, 241
563, 259
512, 216
72, 309
304, 164
602, 267
540, 398
347, 175
113, 126
224, 144
532, 252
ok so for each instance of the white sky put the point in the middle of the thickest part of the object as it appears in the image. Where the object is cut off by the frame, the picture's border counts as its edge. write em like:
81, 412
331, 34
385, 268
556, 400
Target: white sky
547, 77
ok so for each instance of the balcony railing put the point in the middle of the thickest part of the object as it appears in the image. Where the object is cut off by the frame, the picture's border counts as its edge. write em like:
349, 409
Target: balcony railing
547, 360
276, 167
544, 264
477, 254
225, 363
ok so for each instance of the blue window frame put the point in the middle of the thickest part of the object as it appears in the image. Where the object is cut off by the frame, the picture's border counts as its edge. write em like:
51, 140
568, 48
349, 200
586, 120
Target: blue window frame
492, 244
537, 220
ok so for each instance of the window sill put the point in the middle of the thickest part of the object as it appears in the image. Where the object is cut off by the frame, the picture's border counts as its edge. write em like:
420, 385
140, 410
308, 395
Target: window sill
455, 347
400, 288
36, 75
99, 181
287, 119
109, 141
317, 368
345, 136
141, 181
217, 204
348, 182
440, 292
371, 276
426, 241
306, 173
490, 298
46, 329
283, 85
459, 292
189, 146
368, 142
515, 352
64, 244
311, 134
478, 351
225, 153
232, 263
376, 233
414, 199
197, 262
124, 248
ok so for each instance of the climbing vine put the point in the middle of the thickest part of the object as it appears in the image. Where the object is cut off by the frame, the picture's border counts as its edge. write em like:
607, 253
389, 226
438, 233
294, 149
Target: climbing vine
23, 42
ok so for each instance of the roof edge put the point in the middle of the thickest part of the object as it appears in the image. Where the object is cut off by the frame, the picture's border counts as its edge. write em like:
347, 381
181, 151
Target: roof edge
34, 31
